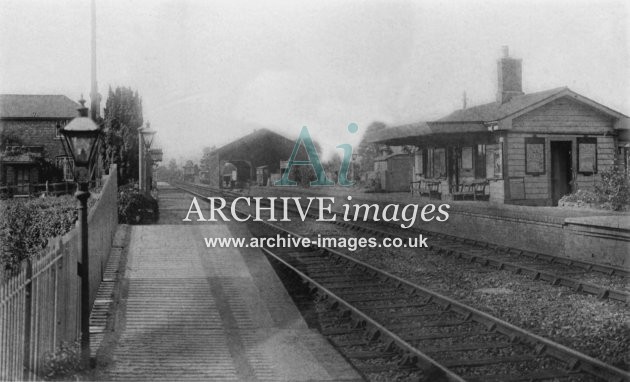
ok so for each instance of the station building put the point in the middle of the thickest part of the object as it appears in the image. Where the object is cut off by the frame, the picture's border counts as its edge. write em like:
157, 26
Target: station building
251, 159
528, 149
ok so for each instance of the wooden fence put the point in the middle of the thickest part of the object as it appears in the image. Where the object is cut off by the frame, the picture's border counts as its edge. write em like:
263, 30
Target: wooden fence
40, 306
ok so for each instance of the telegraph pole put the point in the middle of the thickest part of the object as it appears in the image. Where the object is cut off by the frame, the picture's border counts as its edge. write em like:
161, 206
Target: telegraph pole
95, 97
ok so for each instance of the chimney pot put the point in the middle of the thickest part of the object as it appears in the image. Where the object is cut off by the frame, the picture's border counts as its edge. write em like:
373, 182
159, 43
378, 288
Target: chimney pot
509, 76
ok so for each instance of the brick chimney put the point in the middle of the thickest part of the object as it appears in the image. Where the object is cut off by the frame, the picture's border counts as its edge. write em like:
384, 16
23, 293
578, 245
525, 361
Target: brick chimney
510, 77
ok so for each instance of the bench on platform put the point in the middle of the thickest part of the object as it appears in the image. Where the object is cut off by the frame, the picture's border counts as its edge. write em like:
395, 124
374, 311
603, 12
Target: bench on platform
470, 191
463, 191
424, 187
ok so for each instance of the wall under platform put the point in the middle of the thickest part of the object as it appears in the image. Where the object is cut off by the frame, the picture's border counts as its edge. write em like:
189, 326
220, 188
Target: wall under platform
503, 227
597, 236
593, 238
599, 239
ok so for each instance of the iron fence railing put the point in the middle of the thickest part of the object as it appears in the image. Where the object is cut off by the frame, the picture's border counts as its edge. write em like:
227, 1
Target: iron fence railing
40, 304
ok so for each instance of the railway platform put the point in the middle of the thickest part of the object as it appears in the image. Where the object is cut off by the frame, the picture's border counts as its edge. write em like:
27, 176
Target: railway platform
189, 312
598, 236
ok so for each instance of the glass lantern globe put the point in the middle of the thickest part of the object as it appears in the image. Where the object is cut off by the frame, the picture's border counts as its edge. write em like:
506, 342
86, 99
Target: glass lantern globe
81, 136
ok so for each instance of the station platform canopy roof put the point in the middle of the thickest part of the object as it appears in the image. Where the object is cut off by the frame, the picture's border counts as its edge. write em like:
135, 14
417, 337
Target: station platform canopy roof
421, 133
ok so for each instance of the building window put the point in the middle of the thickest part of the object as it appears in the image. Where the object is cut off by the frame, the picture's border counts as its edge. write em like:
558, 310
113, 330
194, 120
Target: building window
467, 158
439, 163
419, 162
587, 155
480, 162
58, 126
67, 165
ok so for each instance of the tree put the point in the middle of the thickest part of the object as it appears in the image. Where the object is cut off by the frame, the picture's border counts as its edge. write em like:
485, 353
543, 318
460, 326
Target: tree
170, 173
122, 119
369, 151
206, 157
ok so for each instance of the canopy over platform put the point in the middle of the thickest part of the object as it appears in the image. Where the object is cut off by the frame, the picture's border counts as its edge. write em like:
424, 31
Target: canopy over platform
423, 134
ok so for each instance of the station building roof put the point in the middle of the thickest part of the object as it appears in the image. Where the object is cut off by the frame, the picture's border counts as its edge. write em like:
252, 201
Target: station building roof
37, 106
475, 120
495, 111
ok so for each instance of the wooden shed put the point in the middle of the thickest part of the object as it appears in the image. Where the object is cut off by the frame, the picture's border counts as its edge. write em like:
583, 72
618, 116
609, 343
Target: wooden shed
394, 171
526, 149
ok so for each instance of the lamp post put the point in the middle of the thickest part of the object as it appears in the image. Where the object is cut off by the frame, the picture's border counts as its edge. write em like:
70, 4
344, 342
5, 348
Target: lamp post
156, 156
145, 139
80, 138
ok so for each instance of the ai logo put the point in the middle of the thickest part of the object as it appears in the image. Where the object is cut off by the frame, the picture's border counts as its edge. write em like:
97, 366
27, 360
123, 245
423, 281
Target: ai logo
313, 160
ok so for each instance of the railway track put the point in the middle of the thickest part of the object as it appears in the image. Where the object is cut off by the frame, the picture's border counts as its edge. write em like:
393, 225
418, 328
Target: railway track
420, 328
558, 271
586, 277
407, 327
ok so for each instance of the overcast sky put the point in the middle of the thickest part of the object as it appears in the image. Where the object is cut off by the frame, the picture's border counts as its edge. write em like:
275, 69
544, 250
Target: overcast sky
212, 71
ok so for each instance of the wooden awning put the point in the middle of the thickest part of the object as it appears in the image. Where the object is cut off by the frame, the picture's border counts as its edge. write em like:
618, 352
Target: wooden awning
433, 134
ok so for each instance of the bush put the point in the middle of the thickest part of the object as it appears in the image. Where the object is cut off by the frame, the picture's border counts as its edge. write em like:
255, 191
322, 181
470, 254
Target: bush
134, 207
27, 224
612, 192
582, 196
614, 188
63, 362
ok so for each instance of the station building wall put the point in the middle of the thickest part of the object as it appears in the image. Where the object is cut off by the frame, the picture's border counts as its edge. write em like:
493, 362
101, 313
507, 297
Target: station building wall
560, 120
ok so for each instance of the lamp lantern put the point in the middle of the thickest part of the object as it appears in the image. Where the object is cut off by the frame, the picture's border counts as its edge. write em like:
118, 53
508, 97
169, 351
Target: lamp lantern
147, 135
81, 137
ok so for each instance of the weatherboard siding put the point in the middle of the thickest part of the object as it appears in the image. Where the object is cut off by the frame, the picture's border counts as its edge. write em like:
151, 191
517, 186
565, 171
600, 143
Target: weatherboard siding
563, 115
538, 187
562, 119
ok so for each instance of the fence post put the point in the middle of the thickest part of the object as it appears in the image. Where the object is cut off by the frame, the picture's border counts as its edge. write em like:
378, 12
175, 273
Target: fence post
28, 297
82, 195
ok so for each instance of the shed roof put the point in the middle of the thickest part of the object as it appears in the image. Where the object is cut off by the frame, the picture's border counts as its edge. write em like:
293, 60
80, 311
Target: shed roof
40, 106
251, 141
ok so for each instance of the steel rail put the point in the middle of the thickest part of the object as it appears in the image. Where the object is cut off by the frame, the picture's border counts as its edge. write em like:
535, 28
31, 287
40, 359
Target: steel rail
538, 274
424, 362
606, 269
587, 364
577, 361
485, 260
